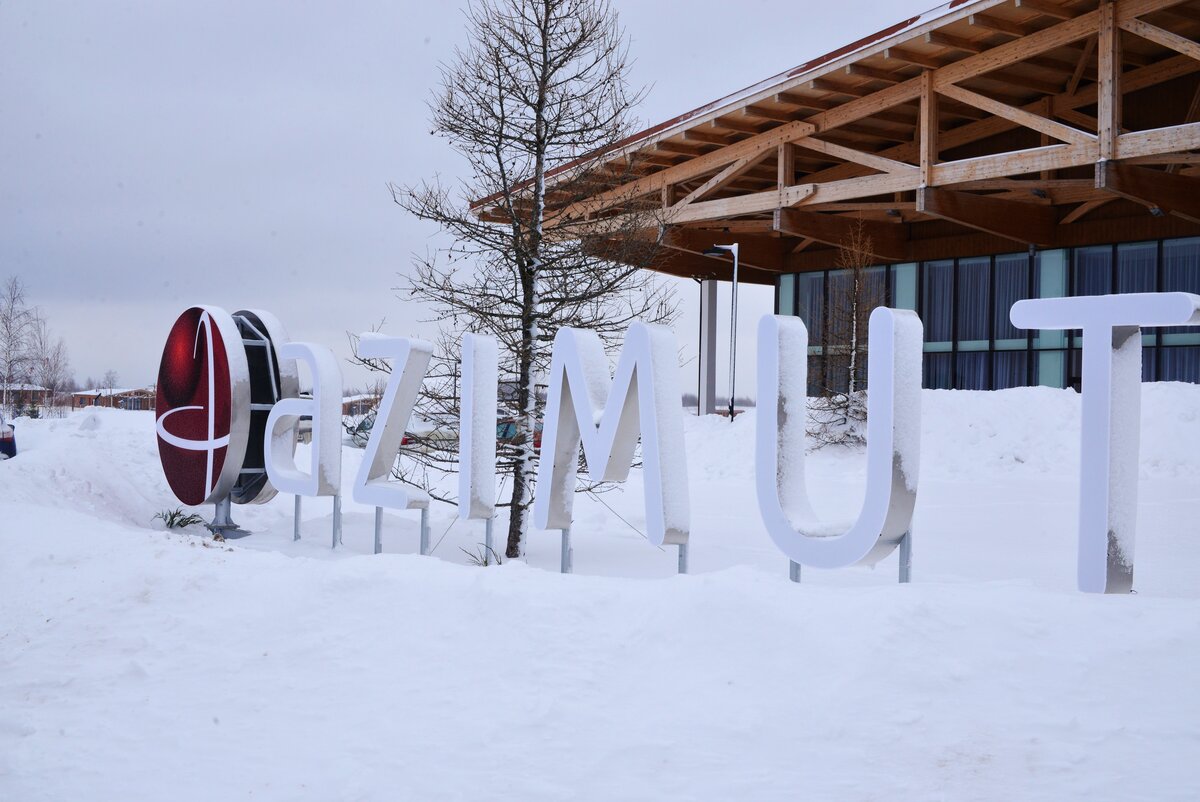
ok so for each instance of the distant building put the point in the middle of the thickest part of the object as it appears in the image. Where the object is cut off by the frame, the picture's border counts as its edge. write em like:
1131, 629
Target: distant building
360, 404
138, 398
26, 395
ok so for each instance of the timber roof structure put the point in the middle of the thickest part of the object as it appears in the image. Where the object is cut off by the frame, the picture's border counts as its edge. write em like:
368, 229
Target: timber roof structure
982, 126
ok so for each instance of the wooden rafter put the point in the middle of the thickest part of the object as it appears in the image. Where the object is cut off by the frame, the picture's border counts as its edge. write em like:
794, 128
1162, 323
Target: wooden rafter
1023, 222
1166, 192
888, 240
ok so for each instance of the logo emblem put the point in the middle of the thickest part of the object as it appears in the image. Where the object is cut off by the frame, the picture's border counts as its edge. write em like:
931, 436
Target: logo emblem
203, 392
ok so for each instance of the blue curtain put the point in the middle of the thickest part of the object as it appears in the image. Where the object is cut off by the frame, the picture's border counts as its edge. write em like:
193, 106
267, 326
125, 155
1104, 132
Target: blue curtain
811, 304
974, 289
1012, 285
1137, 267
972, 370
1181, 363
1093, 271
937, 299
938, 371
1010, 369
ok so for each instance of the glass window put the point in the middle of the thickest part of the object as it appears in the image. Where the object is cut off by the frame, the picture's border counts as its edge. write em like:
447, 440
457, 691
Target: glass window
1093, 271
1149, 361
904, 286
786, 294
1012, 285
937, 304
1181, 273
937, 371
1052, 368
1137, 266
1050, 281
810, 305
1181, 363
972, 370
816, 375
974, 294
1010, 369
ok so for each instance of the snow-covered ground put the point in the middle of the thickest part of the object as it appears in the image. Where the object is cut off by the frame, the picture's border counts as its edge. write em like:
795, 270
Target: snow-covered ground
141, 664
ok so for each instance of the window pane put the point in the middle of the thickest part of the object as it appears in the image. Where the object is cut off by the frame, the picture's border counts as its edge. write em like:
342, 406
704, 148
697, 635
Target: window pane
937, 287
1181, 273
1093, 271
1051, 368
786, 294
937, 371
1148, 364
974, 284
1009, 369
1051, 282
1181, 364
904, 286
972, 370
816, 375
811, 304
1137, 266
1012, 285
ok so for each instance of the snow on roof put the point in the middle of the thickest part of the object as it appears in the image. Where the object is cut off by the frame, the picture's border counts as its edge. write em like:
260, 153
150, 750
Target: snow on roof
105, 392
361, 397
35, 388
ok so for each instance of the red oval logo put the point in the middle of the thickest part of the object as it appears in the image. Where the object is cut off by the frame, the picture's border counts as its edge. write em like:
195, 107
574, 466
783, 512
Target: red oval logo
196, 423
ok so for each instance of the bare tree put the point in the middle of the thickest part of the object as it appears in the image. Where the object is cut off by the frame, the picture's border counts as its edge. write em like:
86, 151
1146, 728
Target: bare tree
52, 364
838, 415
17, 323
109, 382
531, 103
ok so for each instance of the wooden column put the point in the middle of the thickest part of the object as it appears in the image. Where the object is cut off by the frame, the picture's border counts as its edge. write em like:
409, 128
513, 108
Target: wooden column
1108, 97
928, 129
786, 166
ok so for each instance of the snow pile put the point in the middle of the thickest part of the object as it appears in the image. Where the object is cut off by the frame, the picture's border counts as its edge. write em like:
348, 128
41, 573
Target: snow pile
142, 664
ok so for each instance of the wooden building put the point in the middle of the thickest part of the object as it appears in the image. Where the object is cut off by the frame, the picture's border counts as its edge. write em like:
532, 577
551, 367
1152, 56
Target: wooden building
138, 398
993, 149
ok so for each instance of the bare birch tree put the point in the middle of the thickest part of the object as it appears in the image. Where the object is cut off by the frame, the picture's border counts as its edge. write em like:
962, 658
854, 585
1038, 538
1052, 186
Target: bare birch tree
838, 415
17, 323
532, 100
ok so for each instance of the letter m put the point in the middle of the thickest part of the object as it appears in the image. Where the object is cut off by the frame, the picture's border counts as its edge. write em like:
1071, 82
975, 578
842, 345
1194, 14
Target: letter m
607, 416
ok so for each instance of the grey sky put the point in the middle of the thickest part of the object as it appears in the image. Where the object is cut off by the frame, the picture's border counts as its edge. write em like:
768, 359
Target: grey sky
160, 154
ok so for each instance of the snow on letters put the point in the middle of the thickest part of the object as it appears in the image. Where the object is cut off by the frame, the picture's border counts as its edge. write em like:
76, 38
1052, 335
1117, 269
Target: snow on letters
477, 428
1111, 412
325, 407
410, 360
606, 415
893, 442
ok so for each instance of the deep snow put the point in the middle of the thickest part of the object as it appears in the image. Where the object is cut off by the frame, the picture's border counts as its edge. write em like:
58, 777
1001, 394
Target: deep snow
141, 664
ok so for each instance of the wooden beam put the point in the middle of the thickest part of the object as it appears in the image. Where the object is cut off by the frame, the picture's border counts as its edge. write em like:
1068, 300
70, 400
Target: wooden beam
880, 163
957, 42
999, 24
1085, 59
887, 76
911, 57
1064, 133
927, 131
1046, 8
723, 178
1159, 140
1002, 165
1172, 41
1023, 222
785, 165
889, 241
1167, 192
1083, 210
1108, 100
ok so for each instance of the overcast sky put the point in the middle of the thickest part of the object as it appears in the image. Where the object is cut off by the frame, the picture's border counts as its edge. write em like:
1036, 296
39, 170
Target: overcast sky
160, 154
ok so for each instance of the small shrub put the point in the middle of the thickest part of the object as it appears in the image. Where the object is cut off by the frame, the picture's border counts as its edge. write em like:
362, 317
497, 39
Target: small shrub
178, 519
482, 556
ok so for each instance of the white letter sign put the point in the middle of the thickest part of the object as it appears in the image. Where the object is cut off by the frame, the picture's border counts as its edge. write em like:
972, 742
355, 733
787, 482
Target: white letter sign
410, 360
607, 416
325, 407
1110, 419
477, 428
893, 442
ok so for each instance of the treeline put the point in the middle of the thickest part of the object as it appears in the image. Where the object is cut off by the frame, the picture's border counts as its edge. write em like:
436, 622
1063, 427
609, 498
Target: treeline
30, 354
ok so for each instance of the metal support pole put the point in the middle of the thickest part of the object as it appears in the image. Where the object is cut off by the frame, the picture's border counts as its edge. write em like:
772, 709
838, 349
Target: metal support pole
337, 521
733, 333
487, 538
296, 524
222, 522
683, 558
906, 558
424, 530
566, 551
379, 530
707, 390
794, 571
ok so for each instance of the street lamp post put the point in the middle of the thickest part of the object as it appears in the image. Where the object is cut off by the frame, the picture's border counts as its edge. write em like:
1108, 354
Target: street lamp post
719, 250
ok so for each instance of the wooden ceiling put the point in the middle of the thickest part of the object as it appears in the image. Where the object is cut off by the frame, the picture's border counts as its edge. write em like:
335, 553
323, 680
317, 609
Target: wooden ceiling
982, 127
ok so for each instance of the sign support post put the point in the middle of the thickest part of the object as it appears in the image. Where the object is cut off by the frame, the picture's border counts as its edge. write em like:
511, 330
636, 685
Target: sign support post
296, 523
566, 566
337, 520
906, 558
425, 530
379, 530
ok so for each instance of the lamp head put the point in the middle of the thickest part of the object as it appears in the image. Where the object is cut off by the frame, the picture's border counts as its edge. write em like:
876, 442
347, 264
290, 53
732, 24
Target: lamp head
721, 250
